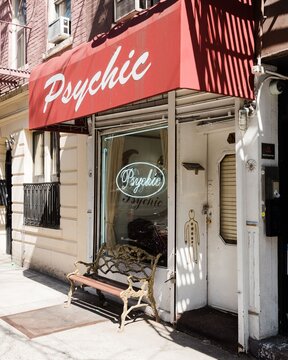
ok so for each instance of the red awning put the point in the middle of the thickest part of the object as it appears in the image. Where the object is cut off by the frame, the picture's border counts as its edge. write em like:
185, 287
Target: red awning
202, 45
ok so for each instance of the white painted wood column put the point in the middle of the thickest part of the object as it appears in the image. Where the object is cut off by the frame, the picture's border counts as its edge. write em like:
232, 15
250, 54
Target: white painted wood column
171, 200
242, 241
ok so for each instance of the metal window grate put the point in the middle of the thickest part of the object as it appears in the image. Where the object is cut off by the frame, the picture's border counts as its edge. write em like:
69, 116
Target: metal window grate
42, 205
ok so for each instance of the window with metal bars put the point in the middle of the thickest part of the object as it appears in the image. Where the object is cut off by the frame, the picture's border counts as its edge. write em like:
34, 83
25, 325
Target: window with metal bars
42, 198
3, 193
42, 205
228, 219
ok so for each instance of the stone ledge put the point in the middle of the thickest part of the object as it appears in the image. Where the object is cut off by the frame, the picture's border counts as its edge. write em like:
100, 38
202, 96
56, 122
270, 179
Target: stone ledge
273, 348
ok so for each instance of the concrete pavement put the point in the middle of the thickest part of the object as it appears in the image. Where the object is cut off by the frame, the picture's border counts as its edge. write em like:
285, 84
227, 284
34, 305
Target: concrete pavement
25, 290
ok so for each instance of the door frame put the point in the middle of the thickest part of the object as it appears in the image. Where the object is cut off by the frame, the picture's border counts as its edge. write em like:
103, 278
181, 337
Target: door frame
8, 222
282, 239
171, 191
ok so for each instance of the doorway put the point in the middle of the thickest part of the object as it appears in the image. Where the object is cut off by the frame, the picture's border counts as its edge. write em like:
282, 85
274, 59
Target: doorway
207, 283
209, 194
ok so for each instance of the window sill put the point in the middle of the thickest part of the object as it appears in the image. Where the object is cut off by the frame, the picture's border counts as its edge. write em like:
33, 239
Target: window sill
58, 48
57, 233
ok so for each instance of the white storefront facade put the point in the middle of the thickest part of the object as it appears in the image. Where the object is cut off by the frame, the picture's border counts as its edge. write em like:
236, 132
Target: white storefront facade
173, 161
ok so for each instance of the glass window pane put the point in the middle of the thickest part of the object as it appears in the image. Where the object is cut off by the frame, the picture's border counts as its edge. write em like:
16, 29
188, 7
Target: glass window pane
55, 153
228, 218
63, 8
20, 11
68, 9
134, 190
38, 153
21, 49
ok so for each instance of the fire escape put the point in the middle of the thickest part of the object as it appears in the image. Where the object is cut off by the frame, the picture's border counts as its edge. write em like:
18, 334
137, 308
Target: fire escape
13, 56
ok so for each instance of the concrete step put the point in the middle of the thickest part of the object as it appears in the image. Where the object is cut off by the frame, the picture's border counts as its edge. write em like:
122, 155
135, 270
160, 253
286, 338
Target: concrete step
273, 348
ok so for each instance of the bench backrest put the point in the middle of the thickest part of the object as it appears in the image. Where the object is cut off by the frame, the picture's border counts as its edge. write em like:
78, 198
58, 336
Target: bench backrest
126, 260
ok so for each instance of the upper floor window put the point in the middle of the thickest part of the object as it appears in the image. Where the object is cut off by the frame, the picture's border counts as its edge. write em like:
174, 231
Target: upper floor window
153, 2
63, 8
20, 11
19, 34
59, 15
124, 9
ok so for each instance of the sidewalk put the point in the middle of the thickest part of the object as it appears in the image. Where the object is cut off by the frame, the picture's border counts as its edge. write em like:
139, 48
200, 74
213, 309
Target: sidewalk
32, 303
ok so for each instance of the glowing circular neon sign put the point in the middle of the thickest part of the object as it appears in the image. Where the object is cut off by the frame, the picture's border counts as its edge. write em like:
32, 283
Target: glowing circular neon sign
140, 180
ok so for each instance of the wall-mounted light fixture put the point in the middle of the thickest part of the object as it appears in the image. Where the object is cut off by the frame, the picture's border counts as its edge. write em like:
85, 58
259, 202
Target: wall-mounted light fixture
193, 166
243, 118
276, 87
246, 112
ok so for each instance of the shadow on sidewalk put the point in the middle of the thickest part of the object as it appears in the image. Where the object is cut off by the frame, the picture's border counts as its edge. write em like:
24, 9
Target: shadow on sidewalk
84, 299
47, 280
113, 309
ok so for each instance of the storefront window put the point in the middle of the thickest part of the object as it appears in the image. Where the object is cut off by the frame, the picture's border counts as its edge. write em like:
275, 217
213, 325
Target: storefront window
134, 190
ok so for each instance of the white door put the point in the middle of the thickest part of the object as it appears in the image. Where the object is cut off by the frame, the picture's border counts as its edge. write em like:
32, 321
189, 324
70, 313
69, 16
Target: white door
221, 222
191, 257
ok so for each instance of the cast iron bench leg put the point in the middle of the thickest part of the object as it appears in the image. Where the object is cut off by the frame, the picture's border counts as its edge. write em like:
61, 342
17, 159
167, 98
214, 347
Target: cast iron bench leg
124, 312
71, 292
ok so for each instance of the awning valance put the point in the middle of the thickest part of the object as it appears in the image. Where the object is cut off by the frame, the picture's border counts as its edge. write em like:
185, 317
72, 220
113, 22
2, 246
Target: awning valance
201, 45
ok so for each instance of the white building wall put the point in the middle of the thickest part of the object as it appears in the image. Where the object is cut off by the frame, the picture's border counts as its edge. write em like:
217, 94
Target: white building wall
268, 258
258, 276
49, 250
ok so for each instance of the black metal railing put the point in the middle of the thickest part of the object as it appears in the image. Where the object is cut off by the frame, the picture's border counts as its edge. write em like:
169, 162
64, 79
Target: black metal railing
42, 204
3, 193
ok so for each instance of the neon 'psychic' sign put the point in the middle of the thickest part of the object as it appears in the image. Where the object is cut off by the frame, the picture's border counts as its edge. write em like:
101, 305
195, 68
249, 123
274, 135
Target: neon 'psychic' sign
140, 180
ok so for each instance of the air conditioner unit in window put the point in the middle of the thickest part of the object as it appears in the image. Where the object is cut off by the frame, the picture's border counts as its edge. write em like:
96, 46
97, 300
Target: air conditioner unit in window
59, 30
127, 8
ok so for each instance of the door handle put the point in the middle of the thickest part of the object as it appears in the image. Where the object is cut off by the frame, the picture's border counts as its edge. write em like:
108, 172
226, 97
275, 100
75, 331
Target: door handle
171, 278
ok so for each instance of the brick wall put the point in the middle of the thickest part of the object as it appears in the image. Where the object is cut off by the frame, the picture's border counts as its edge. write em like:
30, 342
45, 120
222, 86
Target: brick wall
78, 24
99, 17
37, 39
5, 15
89, 18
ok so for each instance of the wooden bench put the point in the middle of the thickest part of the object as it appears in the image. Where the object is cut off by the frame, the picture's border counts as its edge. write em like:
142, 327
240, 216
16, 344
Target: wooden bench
135, 264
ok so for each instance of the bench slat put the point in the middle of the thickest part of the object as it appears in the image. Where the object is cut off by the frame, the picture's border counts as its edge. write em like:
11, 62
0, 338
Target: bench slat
97, 284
